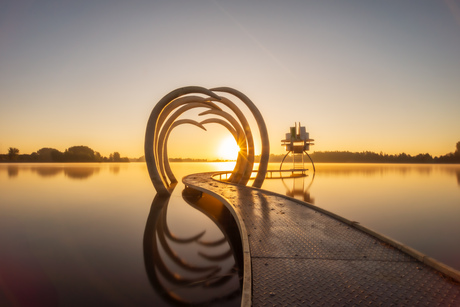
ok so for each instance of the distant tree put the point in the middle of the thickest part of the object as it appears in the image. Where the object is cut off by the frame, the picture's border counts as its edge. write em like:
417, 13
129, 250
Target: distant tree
98, 157
46, 154
140, 159
33, 157
423, 158
116, 157
13, 153
369, 157
450, 157
57, 156
79, 154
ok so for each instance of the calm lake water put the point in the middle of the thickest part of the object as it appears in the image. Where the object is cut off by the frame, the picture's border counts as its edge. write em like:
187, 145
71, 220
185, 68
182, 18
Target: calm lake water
77, 233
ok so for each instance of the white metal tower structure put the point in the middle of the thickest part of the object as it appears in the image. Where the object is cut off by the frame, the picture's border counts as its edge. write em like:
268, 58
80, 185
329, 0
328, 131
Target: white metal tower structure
297, 142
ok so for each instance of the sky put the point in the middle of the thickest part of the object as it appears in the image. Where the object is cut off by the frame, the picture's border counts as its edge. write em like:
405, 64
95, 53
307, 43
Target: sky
380, 75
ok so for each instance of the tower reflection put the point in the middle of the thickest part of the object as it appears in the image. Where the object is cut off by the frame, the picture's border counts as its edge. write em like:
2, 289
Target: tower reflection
192, 270
300, 188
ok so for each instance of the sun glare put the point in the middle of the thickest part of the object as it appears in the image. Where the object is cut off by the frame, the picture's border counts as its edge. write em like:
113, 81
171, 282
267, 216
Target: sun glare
228, 149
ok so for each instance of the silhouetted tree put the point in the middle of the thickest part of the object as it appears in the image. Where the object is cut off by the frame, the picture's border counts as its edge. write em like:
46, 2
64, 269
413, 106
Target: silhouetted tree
46, 154
98, 157
116, 157
361, 157
450, 157
140, 159
423, 158
13, 153
79, 154
72, 154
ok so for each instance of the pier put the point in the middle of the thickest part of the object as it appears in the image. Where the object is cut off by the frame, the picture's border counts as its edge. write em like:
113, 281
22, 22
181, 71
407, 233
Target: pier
296, 254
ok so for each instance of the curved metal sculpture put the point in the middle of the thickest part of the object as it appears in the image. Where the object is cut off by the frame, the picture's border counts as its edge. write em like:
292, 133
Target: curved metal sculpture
164, 117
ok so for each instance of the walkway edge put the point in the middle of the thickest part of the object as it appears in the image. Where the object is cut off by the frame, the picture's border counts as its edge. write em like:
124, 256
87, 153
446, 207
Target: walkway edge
431, 262
246, 293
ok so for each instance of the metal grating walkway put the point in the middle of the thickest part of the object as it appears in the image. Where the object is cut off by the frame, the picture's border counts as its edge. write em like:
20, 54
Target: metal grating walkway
302, 257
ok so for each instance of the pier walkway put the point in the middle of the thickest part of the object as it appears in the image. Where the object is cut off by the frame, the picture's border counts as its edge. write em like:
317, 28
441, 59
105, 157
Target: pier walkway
299, 255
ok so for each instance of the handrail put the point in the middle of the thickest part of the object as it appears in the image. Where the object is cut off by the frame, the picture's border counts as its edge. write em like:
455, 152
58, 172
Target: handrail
267, 176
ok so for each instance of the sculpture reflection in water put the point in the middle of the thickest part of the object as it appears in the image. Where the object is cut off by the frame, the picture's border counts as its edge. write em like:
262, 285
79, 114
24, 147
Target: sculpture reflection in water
193, 271
300, 187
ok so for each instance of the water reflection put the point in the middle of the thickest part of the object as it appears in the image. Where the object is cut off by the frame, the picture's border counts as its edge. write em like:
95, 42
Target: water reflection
191, 270
80, 172
300, 189
115, 169
47, 171
374, 170
70, 172
83, 239
13, 171
86, 170
369, 169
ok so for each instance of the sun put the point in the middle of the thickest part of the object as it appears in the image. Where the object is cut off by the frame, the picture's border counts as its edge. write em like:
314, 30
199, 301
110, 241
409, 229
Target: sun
228, 149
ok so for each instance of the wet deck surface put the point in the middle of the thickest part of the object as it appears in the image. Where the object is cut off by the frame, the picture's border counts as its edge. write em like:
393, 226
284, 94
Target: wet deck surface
302, 257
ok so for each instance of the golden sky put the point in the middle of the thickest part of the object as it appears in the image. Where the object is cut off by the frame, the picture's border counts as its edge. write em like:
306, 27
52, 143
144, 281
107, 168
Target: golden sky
360, 75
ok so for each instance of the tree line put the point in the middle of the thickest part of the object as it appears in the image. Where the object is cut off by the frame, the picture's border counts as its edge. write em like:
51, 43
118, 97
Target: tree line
86, 154
372, 157
72, 154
